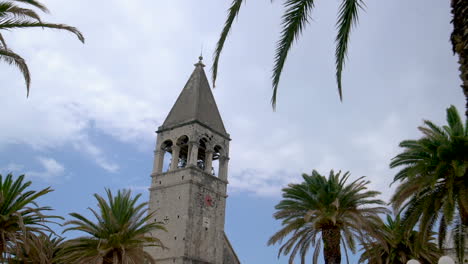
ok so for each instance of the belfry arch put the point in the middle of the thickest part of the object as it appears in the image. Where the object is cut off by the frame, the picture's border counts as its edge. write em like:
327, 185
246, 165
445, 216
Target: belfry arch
180, 153
163, 157
217, 153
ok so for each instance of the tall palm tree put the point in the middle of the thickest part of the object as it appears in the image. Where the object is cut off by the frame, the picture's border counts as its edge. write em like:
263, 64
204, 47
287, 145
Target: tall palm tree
434, 176
121, 232
296, 17
13, 16
20, 217
399, 246
459, 40
329, 211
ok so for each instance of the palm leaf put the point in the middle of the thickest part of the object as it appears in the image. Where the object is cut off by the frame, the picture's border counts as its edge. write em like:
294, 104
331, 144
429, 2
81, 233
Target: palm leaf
2, 42
233, 12
294, 21
22, 23
347, 18
14, 59
37, 4
9, 9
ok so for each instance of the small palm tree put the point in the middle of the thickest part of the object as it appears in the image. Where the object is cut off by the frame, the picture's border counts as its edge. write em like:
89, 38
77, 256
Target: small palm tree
122, 230
329, 211
20, 217
434, 177
399, 246
13, 16
41, 249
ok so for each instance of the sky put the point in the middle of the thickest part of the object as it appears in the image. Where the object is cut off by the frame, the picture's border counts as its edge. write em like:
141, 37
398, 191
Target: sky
89, 121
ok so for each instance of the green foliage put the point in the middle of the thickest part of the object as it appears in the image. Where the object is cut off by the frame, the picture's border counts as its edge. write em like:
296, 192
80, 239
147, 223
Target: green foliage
41, 249
330, 209
295, 18
20, 217
121, 231
460, 235
347, 18
13, 16
399, 246
433, 179
233, 12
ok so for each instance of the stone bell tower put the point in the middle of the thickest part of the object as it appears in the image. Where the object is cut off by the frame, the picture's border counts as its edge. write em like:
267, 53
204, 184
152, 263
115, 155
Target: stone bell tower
188, 193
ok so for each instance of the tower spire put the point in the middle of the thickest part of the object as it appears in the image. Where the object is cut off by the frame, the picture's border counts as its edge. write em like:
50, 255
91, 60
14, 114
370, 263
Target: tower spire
200, 61
196, 104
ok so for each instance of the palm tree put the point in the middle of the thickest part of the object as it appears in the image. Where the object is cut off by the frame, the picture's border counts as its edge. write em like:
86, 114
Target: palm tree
296, 18
42, 249
13, 16
434, 176
399, 246
20, 217
459, 40
327, 208
122, 230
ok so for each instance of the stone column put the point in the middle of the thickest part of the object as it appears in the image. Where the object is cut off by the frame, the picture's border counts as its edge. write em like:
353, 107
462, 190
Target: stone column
193, 155
158, 160
223, 167
208, 160
175, 157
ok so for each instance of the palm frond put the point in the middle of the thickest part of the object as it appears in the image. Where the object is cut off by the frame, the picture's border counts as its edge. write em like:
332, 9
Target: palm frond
8, 9
34, 3
2, 42
14, 59
233, 12
294, 21
460, 237
317, 249
22, 23
454, 121
347, 18
122, 228
21, 217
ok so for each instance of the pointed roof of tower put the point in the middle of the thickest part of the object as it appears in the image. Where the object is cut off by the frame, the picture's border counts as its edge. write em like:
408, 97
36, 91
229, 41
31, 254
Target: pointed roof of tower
196, 104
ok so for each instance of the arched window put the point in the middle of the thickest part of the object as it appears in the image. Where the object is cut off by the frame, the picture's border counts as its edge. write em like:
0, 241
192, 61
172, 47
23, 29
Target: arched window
182, 142
201, 159
217, 152
166, 146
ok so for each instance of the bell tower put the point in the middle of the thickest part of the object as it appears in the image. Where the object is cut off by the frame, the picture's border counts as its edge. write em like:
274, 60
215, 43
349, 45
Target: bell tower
189, 179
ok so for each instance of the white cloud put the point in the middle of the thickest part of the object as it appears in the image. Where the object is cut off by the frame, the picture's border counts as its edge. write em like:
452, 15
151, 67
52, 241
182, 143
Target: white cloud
124, 80
377, 147
95, 154
11, 167
260, 182
73, 91
139, 189
51, 169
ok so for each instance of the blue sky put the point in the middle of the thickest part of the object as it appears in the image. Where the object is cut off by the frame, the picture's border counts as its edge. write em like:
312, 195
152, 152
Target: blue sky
90, 120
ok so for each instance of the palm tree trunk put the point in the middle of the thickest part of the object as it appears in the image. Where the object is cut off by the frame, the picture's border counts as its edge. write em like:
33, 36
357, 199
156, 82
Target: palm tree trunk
331, 245
463, 213
108, 258
459, 40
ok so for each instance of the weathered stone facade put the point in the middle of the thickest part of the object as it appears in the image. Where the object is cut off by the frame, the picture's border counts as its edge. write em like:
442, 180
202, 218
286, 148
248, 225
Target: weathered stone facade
189, 196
